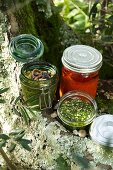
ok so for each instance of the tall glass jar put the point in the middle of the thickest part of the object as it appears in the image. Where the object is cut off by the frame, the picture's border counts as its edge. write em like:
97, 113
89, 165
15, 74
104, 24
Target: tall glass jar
27, 49
41, 92
80, 69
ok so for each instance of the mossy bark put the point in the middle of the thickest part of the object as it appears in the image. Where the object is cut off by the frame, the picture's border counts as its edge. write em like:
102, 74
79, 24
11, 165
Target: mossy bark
26, 17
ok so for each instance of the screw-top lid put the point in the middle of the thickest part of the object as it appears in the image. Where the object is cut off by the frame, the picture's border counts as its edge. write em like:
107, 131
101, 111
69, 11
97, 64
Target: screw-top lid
101, 130
82, 58
26, 48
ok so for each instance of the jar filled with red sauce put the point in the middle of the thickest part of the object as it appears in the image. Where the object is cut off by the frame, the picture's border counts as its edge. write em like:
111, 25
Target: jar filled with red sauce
80, 70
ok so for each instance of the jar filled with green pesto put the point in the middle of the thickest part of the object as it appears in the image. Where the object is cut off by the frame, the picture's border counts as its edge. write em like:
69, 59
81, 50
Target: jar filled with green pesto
77, 109
39, 83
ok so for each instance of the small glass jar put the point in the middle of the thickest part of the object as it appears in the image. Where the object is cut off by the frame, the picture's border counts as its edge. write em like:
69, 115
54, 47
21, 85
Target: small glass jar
39, 93
26, 48
76, 109
80, 69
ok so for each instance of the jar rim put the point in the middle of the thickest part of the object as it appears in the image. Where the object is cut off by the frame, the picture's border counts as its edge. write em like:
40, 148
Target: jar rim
78, 94
82, 58
27, 65
26, 47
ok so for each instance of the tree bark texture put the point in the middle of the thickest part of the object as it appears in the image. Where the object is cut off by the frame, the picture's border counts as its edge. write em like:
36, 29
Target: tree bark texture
29, 17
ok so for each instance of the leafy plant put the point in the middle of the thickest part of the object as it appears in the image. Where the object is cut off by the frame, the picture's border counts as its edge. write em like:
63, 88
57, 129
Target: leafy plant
94, 17
92, 21
102, 21
12, 139
75, 13
22, 110
83, 162
62, 164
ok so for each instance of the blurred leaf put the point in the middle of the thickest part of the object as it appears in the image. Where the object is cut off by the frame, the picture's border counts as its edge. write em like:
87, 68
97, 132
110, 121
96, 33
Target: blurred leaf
25, 115
12, 147
72, 13
110, 19
4, 136
3, 90
79, 25
26, 141
32, 100
93, 10
24, 144
80, 160
79, 17
82, 4
16, 132
2, 143
16, 111
2, 101
62, 164
19, 136
17, 99
31, 111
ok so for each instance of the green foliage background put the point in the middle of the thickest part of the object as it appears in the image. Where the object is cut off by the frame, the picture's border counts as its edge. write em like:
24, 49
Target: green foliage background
92, 21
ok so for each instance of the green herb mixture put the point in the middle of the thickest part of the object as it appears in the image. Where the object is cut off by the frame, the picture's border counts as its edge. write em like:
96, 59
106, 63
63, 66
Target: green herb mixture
76, 112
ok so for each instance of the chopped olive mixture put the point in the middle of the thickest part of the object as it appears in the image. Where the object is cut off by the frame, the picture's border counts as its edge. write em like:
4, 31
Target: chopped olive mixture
37, 74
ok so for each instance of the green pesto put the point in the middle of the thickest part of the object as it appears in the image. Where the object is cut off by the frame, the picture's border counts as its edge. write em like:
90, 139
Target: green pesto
76, 112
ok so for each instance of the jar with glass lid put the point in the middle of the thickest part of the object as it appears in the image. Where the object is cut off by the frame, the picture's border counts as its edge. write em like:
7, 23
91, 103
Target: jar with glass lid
80, 71
38, 79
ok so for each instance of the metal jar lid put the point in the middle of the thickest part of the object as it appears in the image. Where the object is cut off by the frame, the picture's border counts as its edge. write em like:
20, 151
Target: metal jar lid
101, 130
82, 59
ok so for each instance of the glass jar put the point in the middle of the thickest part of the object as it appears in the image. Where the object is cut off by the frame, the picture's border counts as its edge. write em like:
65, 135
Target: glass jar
26, 48
80, 69
76, 109
41, 92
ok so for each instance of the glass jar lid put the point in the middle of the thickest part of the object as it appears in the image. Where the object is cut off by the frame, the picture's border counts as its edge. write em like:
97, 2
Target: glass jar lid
26, 48
82, 59
101, 130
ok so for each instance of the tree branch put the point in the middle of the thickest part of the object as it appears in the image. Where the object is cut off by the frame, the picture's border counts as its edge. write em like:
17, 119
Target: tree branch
9, 164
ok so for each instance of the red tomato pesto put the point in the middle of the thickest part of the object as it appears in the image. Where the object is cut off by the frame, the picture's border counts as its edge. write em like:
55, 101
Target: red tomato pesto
71, 80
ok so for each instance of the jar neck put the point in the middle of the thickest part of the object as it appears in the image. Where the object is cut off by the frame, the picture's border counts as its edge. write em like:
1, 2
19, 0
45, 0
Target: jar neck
65, 69
82, 70
26, 47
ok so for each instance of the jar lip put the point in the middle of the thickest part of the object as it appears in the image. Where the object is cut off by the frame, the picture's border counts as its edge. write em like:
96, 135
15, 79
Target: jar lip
77, 94
26, 47
26, 65
82, 58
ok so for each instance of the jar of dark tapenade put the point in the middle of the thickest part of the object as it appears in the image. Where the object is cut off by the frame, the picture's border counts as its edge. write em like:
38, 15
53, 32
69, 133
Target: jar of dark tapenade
38, 79
38, 82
